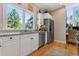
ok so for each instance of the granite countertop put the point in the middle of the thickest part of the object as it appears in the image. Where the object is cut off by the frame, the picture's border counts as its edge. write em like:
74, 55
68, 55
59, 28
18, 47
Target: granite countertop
13, 33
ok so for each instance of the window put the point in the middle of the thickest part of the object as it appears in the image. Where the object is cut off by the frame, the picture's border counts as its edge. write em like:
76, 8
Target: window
69, 16
28, 21
18, 18
14, 17
72, 16
76, 17
77, 12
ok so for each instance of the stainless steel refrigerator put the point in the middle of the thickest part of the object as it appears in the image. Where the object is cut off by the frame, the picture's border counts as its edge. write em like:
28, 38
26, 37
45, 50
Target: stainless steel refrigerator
50, 29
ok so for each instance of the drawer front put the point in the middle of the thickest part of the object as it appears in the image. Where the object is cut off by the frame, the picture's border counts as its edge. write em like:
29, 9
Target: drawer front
9, 39
33, 36
30, 36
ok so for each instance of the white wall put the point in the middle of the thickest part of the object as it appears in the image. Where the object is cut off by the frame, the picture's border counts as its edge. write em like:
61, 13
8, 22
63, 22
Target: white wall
59, 17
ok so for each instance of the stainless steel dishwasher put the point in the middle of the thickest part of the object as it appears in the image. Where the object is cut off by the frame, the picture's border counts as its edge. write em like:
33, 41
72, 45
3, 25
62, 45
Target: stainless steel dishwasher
41, 38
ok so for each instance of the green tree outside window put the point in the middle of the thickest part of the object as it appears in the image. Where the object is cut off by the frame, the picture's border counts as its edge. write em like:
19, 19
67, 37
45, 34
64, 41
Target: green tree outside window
13, 19
16, 18
29, 23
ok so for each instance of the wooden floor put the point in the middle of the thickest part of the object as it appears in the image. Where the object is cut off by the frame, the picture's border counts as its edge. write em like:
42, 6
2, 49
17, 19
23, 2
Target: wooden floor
72, 49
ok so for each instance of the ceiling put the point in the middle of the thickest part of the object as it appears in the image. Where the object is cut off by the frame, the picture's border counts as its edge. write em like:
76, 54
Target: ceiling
48, 6
53, 6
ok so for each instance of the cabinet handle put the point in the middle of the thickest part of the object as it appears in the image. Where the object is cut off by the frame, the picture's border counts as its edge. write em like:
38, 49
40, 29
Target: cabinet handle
31, 38
10, 37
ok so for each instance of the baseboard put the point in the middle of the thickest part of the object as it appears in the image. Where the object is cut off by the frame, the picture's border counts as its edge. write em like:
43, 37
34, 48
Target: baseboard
60, 41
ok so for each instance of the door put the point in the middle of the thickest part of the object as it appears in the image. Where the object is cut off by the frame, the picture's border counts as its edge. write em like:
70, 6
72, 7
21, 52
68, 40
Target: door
0, 46
52, 30
47, 23
25, 45
34, 41
10, 50
0, 51
10, 46
29, 43
41, 39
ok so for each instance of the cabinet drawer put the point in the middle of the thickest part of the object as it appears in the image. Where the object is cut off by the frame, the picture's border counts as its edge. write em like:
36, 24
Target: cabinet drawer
33, 36
9, 39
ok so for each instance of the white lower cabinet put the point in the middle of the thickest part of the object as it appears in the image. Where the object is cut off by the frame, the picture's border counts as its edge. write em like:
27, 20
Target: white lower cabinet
25, 48
19, 45
10, 50
10, 46
0, 51
0, 47
34, 41
29, 43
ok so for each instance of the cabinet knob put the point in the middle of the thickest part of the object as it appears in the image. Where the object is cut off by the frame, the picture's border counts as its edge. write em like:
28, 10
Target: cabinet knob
31, 38
10, 37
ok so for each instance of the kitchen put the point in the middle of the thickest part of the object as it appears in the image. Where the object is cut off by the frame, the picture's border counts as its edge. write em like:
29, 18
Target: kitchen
20, 36
28, 27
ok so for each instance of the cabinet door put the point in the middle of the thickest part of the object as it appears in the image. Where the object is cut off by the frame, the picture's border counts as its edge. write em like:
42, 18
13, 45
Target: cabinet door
25, 45
29, 43
0, 51
10, 50
0, 46
10, 46
34, 41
